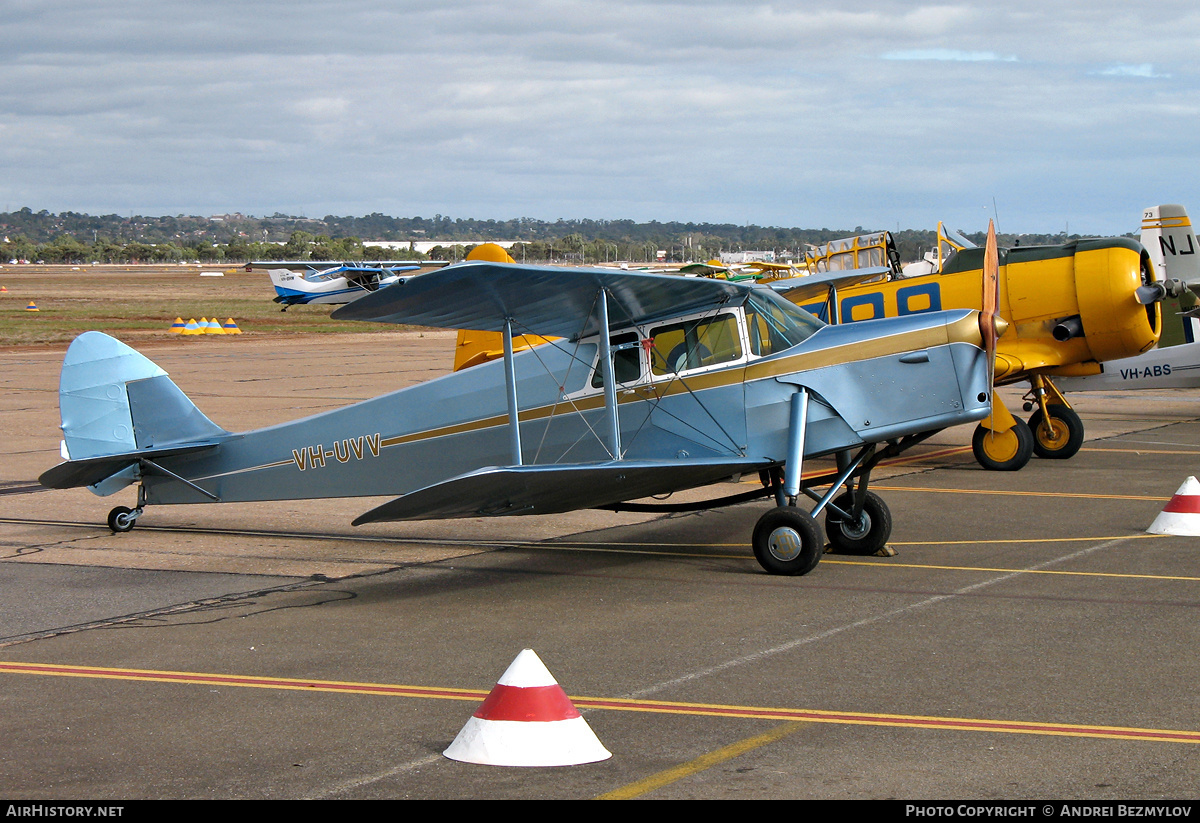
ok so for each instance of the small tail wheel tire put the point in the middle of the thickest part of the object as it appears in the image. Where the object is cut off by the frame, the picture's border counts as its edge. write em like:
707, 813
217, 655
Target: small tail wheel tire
1058, 434
121, 519
787, 540
1006, 451
866, 536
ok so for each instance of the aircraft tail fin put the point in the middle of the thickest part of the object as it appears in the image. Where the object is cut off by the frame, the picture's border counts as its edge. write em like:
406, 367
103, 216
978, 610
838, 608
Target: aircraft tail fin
117, 403
1171, 243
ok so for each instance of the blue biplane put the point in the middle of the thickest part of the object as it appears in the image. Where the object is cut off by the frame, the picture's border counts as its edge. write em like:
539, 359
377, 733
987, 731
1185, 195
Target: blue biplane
656, 384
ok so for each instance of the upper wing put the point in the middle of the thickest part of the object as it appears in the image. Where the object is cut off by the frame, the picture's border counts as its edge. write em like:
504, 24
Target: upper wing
550, 489
545, 300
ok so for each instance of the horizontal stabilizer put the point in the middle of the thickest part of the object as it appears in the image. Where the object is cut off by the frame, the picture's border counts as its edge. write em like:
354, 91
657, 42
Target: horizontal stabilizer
550, 489
92, 470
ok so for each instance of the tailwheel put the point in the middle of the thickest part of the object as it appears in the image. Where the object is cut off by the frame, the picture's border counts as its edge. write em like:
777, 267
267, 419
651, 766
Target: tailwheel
787, 540
865, 536
122, 518
1058, 434
1004, 451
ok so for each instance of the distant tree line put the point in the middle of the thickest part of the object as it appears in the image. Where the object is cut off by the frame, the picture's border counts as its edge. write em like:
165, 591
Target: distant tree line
71, 237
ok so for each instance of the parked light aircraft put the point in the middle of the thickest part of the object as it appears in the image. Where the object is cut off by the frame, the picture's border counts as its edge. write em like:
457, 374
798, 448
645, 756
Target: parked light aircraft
1168, 238
1069, 308
658, 384
302, 282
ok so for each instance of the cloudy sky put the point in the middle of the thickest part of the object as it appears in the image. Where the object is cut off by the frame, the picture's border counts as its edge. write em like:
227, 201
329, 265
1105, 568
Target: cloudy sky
1051, 115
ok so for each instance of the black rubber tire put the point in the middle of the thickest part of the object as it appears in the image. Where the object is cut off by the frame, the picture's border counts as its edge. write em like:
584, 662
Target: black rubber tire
1060, 436
119, 519
1003, 451
873, 531
787, 540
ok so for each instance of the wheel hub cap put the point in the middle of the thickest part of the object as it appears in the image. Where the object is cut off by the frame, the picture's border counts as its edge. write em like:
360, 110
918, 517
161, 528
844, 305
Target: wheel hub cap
785, 543
857, 529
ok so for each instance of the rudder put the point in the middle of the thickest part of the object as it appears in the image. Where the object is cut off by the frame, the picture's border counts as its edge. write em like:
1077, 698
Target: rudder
1171, 243
114, 400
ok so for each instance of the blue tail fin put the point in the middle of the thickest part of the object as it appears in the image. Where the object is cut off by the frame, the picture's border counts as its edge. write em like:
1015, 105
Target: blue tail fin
113, 400
118, 410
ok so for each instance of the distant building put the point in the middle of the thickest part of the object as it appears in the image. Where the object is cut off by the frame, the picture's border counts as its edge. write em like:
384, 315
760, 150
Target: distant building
728, 257
423, 246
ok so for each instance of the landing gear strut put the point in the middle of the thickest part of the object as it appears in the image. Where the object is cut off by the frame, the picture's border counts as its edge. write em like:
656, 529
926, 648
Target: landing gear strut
787, 539
1057, 429
122, 518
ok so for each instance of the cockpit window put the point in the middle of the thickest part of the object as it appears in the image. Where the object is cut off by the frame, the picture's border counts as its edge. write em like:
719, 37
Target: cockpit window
694, 344
627, 364
776, 324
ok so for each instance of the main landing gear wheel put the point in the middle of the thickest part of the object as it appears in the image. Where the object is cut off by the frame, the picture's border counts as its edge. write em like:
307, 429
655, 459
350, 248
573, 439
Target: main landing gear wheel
869, 534
121, 519
1005, 451
787, 540
1059, 434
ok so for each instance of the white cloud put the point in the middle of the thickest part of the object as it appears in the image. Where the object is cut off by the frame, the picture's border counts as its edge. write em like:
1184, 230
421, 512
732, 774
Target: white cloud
775, 113
1140, 70
949, 55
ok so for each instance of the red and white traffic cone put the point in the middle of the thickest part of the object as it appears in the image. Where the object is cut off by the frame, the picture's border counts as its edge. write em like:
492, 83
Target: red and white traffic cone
527, 720
1182, 515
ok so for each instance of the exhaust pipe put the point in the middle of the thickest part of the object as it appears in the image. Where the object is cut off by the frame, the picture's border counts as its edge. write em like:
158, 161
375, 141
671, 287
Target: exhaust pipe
1068, 328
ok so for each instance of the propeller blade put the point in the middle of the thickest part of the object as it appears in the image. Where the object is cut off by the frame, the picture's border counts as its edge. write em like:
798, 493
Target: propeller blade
991, 298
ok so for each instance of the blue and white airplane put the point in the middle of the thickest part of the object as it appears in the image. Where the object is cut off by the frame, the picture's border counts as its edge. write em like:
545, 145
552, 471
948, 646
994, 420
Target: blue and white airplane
299, 283
657, 384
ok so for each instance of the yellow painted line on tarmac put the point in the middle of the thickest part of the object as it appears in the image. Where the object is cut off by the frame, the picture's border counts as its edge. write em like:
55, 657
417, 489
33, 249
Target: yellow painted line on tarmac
1177, 578
742, 545
650, 550
706, 761
1140, 451
914, 458
1011, 493
793, 715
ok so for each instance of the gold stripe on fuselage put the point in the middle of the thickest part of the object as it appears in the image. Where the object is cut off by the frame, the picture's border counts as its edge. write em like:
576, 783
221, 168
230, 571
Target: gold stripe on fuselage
964, 330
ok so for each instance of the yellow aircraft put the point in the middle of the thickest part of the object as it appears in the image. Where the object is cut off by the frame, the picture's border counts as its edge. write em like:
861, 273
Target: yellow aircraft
1068, 308
475, 347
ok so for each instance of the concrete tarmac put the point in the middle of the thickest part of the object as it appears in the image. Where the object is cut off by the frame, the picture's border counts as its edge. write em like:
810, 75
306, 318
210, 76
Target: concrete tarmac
1027, 641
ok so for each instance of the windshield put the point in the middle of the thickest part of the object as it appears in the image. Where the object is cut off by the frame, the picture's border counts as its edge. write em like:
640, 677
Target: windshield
776, 324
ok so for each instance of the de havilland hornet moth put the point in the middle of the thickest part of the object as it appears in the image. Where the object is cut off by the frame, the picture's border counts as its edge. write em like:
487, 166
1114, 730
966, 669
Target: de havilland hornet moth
658, 384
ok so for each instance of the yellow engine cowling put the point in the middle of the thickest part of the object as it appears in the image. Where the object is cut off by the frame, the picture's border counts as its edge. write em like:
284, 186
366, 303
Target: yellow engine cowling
1107, 273
1069, 305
